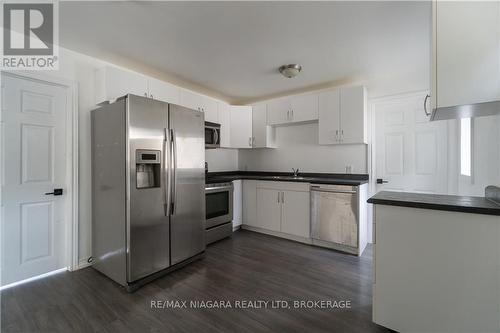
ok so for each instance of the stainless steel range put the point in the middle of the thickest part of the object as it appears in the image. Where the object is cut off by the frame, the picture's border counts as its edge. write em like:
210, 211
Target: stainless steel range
219, 211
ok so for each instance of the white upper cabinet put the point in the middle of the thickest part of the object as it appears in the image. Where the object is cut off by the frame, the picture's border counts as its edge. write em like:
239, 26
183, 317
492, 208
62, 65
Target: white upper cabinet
342, 116
353, 124
199, 102
292, 109
224, 119
466, 52
278, 111
263, 134
163, 91
304, 108
190, 99
329, 117
112, 83
241, 126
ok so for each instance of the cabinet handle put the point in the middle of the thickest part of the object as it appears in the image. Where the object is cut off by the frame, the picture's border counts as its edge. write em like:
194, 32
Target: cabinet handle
292, 114
278, 197
337, 135
425, 105
250, 141
288, 115
146, 94
152, 96
282, 197
342, 135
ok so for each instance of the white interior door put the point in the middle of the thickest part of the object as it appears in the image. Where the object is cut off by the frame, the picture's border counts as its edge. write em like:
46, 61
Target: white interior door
33, 164
410, 151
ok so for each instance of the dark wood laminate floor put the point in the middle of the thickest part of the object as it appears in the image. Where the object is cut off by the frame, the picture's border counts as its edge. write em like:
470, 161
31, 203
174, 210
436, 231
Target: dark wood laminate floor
248, 266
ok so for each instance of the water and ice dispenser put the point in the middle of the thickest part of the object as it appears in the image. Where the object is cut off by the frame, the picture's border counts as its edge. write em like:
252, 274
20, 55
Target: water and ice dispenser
147, 168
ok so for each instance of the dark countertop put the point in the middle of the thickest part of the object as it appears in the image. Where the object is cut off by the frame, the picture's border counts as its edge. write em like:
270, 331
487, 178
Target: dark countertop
454, 203
316, 178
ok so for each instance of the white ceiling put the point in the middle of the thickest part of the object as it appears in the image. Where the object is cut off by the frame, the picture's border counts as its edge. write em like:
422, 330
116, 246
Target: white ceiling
234, 48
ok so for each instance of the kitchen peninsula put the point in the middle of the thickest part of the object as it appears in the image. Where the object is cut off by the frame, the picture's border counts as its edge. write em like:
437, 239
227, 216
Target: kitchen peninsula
436, 262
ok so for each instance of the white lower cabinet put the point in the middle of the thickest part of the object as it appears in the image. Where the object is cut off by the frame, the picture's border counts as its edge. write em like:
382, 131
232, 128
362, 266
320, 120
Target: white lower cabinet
295, 213
278, 207
237, 204
268, 209
249, 197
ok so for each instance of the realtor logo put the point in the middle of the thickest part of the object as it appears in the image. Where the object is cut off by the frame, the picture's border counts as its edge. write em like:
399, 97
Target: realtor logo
29, 35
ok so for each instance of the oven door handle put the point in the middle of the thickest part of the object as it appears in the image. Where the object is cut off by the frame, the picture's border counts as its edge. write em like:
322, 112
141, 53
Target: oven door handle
218, 189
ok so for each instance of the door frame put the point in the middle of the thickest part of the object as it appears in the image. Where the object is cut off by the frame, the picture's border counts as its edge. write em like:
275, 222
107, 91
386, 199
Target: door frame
72, 152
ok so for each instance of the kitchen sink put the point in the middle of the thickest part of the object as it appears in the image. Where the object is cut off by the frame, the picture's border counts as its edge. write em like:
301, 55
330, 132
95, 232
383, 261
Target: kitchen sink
287, 177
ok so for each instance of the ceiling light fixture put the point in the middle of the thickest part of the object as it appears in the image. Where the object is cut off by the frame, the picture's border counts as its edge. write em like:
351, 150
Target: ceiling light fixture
291, 70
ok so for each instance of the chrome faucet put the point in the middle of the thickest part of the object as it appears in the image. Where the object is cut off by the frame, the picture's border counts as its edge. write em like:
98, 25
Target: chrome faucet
295, 172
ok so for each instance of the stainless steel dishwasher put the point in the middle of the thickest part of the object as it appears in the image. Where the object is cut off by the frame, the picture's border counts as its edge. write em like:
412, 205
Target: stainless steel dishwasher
335, 216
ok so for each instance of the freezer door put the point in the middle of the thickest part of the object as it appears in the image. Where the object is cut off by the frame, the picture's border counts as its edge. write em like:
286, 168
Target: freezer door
187, 222
148, 224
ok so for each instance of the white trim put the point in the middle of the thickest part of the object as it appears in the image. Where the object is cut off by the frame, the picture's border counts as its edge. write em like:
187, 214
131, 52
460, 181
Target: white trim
72, 145
82, 263
41, 276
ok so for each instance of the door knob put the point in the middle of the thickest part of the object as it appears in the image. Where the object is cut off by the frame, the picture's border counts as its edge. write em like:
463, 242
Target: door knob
57, 191
381, 181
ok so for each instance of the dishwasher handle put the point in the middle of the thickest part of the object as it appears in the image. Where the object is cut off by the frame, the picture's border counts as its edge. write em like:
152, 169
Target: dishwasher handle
322, 189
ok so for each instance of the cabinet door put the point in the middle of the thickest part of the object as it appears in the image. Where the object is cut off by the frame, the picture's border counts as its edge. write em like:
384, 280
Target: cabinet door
296, 213
209, 107
241, 126
353, 115
263, 135
329, 117
237, 203
190, 99
249, 198
112, 82
304, 108
224, 119
278, 111
466, 52
163, 91
268, 209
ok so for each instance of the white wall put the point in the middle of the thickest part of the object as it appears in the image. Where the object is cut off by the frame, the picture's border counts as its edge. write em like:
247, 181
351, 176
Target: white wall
222, 159
485, 159
80, 69
298, 148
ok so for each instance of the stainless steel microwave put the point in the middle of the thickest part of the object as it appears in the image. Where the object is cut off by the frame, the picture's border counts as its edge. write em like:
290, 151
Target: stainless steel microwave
212, 135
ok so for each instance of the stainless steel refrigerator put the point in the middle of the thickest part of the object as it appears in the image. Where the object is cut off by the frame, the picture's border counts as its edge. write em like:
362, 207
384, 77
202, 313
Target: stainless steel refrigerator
148, 189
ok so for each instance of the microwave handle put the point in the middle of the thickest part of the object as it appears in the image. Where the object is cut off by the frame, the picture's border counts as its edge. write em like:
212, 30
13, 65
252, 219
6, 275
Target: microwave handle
216, 136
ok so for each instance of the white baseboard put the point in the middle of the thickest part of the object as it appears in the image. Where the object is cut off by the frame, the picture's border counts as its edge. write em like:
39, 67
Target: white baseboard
82, 263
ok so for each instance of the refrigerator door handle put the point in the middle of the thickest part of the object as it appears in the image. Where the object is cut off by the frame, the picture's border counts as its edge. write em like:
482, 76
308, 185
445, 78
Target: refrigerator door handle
167, 170
173, 143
